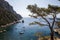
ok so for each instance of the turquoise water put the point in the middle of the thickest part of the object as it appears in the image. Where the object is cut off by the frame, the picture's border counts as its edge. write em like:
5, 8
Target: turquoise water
29, 31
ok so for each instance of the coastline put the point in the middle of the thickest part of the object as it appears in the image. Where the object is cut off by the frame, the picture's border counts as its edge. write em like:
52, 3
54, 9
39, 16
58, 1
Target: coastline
5, 26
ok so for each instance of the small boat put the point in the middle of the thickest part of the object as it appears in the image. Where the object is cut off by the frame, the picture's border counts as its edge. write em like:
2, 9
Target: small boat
22, 21
23, 27
21, 33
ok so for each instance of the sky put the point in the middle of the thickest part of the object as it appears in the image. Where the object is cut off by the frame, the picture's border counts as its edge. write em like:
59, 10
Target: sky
20, 5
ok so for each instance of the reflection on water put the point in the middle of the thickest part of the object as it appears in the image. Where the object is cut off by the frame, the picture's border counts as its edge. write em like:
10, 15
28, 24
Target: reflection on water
14, 33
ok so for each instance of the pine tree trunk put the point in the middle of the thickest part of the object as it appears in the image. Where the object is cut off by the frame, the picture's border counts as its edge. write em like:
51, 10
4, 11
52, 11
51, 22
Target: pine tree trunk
52, 34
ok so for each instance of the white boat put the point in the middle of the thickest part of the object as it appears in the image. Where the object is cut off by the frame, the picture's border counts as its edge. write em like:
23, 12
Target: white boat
21, 33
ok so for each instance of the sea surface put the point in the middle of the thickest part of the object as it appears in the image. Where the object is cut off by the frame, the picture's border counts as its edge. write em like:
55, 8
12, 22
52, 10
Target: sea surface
28, 31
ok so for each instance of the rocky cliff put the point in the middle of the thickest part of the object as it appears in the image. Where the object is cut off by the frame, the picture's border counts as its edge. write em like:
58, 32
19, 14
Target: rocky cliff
7, 14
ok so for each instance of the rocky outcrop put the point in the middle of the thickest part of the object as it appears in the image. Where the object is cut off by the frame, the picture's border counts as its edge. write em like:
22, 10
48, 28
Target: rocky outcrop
7, 14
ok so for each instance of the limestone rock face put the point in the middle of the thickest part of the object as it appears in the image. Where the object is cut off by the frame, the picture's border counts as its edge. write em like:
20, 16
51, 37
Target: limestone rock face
7, 14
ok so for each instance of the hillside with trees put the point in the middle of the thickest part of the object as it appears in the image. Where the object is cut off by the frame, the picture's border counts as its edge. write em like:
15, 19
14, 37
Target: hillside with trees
7, 14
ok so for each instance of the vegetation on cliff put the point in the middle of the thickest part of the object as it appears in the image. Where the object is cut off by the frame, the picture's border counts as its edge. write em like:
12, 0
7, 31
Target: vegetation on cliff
7, 14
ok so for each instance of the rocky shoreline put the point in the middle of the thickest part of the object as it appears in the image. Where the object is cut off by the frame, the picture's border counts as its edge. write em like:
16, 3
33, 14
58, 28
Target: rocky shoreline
5, 26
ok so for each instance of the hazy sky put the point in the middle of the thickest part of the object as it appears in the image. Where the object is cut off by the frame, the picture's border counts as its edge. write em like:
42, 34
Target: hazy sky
20, 5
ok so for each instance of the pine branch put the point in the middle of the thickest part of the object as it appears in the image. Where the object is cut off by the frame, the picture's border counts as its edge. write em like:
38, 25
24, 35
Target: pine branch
39, 23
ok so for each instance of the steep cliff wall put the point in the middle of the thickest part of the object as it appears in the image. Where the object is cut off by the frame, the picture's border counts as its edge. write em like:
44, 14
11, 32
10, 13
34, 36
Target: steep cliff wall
7, 14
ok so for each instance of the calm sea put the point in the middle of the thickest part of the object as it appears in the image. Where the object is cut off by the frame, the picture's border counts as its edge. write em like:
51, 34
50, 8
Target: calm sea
29, 31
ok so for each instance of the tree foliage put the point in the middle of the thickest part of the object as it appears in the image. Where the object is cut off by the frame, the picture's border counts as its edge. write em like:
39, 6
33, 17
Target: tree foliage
43, 13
